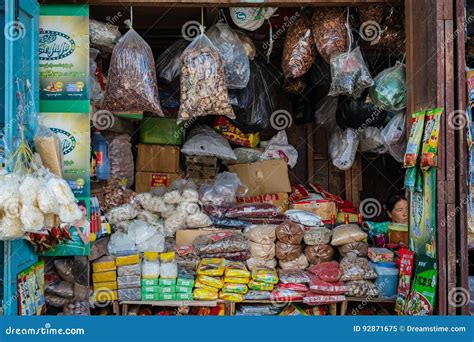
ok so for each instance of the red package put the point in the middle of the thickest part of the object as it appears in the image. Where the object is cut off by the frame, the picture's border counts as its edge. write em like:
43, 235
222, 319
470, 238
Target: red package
253, 210
274, 219
215, 211
327, 271
293, 286
319, 286
285, 295
313, 299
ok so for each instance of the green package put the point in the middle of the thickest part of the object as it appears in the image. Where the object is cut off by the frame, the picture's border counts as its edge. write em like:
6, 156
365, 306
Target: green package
166, 289
421, 300
414, 140
184, 296
184, 289
150, 296
167, 296
189, 282
429, 149
150, 289
166, 282
149, 282
161, 131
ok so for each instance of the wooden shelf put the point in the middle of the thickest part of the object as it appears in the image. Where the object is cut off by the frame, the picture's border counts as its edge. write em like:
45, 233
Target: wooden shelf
370, 300
210, 303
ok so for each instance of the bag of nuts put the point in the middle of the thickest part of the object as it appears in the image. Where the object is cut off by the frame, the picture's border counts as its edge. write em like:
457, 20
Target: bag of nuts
131, 84
298, 50
329, 31
203, 85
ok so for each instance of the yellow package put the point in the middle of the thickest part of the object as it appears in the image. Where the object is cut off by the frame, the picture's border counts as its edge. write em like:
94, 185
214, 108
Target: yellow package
105, 285
260, 286
203, 294
236, 280
104, 264
104, 276
265, 275
235, 288
236, 269
105, 296
198, 284
211, 281
127, 260
231, 297
167, 257
211, 267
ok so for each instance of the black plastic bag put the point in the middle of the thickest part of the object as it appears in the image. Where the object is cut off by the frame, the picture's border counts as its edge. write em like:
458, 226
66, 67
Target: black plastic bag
357, 114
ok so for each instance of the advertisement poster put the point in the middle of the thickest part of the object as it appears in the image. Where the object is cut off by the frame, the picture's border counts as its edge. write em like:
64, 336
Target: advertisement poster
64, 58
79, 244
74, 131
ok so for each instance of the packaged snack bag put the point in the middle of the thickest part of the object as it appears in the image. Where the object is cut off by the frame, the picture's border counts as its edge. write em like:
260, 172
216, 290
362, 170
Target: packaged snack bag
265, 275
431, 138
414, 140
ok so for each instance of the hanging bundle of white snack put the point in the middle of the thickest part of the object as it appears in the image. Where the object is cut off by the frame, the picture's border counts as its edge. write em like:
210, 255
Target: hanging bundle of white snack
69, 213
61, 190
11, 228
29, 190
47, 202
32, 219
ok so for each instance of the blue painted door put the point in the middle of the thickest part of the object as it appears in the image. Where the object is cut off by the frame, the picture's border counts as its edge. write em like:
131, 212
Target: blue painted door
18, 61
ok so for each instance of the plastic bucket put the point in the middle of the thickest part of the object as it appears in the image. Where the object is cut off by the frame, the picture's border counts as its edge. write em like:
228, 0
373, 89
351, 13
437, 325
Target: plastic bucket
387, 278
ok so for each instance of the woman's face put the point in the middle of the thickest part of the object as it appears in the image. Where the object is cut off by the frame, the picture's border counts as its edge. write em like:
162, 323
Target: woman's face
399, 213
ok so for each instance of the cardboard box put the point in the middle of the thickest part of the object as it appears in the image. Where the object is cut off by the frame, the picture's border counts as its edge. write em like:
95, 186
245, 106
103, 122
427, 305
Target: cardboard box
184, 296
185, 237
104, 264
166, 282
104, 276
184, 289
145, 181
323, 208
105, 285
150, 296
127, 260
279, 200
264, 177
149, 282
167, 296
158, 158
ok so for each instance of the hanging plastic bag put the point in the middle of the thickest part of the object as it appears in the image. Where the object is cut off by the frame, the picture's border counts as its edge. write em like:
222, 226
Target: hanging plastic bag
325, 113
251, 18
97, 93
203, 84
371, 140
394, 136
389, 90
103, 36
349, 73
168, 64
121, 158
343, 147
131, 84
298, 50
204, 141
49, 147
329, 31
233, 54
249, 46
358, 114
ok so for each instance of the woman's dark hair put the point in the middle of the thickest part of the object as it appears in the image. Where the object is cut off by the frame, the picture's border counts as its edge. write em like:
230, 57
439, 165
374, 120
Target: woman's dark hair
393, 200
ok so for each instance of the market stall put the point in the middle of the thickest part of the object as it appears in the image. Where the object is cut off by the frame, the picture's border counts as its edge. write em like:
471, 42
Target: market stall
240, 162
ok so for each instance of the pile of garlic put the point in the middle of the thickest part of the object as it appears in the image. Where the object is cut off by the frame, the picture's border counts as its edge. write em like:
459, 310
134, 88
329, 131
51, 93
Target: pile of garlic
34, 203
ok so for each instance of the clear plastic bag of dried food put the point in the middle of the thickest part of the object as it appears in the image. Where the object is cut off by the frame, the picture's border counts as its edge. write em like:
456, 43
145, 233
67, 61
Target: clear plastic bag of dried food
222, 192
168, 64
362, 288
293, 276
203, 86
298, 51
343, 147
234, 56
356, 268
349, 74
329, 31
319, 253
220, 242
131, 84
97, 94
102, 35
317, 235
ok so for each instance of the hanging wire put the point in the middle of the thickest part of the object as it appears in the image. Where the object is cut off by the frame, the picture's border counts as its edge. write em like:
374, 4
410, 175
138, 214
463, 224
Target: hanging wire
202, 20
131, 16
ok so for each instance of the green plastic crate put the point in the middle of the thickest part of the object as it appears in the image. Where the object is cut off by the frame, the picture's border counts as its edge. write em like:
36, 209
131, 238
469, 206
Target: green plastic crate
161, 131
